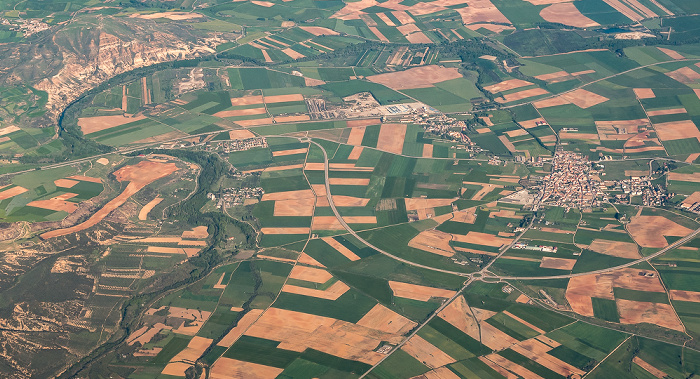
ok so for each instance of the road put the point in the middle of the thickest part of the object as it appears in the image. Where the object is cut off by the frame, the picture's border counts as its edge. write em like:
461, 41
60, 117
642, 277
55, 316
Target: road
598, 80
352, 232
483, 274
602, 271
419, 327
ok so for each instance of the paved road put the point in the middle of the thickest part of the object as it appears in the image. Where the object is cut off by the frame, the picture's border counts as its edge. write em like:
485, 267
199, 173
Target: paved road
600, 80
601, 271
419, 327
352, 232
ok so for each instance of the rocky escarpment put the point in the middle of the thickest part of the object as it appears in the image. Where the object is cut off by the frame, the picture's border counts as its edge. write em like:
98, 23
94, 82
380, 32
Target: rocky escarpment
91, 50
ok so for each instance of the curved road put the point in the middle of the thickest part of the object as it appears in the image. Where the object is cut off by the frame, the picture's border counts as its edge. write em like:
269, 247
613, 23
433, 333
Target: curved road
354, 234
482, 274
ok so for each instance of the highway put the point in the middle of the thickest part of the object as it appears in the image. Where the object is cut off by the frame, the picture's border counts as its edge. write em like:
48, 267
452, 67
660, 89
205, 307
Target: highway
352, 232
419, 327
483, 274
602, 271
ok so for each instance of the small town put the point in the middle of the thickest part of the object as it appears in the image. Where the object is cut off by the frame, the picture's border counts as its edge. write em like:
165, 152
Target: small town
639, 186
571, 183
27, 27
236, 145
230, 197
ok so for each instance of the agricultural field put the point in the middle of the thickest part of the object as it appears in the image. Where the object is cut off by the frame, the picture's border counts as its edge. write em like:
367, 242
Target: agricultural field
344, 189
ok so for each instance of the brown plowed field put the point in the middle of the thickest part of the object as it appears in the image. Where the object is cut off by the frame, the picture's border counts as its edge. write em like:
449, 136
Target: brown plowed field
281, 153
248, 100
282, 168
553, 102
143, 213
347, 253
685, 75
568, 14
378, 34
391, 138
427, 151
95, 124
384, 319
238, 330
666, 111
310, 274
459, 315
198, 232
531, 123
190, 252
240, 134
552, 76
348, 181
255, 122
308, 260
333, 292
365, 122
677, 130
418, 77
302, 117
416, 292
511, 367
227, 368
537, 351
262, 256
685, 295
332, 223
694, 178
507, 85
500, 370
515, 96
649, 368
87, 178
441, 373
433, 241
584, 99
241, 112
138, 176
195, 348
349, 201
300, 230
319, 31
649, 231
581, 288
644, 93
426, 353
415, 203
615, 248
581, 304
336, 337
356, 152
558, 263
175, 16
57, 203
297, 207
284, 98
479, 238
480, 11
418, 37
518, 319
65, 183
636, 312
311, 82
289, 195
356, 135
